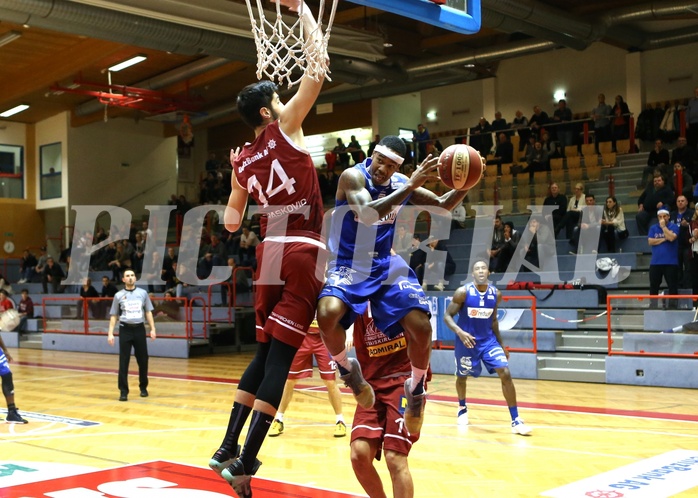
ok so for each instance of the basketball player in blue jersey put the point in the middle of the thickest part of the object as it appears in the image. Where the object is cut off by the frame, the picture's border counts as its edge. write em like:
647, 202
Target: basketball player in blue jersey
369, 196
479, 340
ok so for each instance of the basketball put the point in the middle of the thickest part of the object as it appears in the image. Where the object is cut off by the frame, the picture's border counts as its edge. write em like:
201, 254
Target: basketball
9, 320
460, 167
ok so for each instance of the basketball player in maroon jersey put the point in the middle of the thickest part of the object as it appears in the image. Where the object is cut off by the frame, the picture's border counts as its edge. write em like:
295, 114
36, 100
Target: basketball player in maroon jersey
385, 366
277, 171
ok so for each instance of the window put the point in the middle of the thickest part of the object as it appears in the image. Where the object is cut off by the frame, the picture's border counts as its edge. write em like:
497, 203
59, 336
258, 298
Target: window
12, 171
51, 171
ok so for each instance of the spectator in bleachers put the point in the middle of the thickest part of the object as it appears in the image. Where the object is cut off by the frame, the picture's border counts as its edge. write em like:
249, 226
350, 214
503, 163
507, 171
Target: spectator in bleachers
537, 161
417, 258
511, 241
372, 145
25, 308
541, 245
99, 236
601, 114
613, 224
520, 124
5, 302
458, 217
692, 120
497, 242
439, 270
620, 124
574, 208
684, 155
242, 282
562, 117
138, 253
121, 262
594, 218
109, 290
693, 260
662, 239
550, 146
354, 148
155, 278
170, 257
499, 123
89, 293
539, 119
172, 282
204, 265
402, 243
529, 147
658, 157
248, 247
53, 274
503, 153
420, 138
681, 216
26, 267
145, 230
212, 163
132, 232
217, 249
41, 261
556, 198
167, 308
686, 181
481, 137
340, 151
654, 197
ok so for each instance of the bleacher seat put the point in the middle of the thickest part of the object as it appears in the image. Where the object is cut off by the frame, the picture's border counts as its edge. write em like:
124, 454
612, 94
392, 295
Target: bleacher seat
556, 163
589, 149
605, 147
571, 151
622, 146
608, 158
574, 162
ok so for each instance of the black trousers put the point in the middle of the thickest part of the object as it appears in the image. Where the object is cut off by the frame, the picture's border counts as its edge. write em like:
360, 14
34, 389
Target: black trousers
132, 336
671, 275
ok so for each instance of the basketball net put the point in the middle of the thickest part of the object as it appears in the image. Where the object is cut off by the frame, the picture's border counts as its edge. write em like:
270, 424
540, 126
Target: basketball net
283, 50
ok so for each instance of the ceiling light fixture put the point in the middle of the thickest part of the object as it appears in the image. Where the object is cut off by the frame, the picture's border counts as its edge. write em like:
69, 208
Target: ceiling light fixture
128, 63
14, 110
8, 37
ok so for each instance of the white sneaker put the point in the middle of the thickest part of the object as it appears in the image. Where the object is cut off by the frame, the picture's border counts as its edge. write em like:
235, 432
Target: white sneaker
22, 281
463, 419
519, 427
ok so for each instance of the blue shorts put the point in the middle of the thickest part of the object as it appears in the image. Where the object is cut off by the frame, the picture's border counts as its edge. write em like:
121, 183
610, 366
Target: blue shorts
4, 364
469, 360
389, 302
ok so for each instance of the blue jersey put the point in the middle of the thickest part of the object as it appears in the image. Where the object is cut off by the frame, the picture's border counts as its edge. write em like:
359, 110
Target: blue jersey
478, 312
358, 246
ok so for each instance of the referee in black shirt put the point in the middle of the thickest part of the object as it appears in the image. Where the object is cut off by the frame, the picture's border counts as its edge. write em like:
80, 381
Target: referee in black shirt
131, 306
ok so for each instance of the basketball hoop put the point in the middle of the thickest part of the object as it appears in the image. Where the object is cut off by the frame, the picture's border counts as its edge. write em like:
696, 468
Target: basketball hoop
283, 49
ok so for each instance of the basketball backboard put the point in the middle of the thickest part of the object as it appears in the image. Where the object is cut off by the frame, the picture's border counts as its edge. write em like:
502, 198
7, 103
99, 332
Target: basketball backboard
461, 16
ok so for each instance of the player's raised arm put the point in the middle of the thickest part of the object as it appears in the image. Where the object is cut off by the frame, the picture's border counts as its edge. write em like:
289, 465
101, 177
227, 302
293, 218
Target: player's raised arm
237, 202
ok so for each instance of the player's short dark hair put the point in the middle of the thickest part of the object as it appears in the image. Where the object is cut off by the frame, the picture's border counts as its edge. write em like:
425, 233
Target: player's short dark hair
252, 98
479, 260
395, 143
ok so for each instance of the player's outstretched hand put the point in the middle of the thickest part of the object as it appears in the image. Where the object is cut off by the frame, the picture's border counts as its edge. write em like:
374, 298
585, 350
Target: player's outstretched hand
234, 153
425, 172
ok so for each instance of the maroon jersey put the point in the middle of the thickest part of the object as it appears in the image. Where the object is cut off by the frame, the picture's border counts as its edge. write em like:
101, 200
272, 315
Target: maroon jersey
281, 178
382, 359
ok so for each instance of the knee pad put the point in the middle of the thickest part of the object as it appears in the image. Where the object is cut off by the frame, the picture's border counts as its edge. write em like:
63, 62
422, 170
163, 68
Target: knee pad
8, 387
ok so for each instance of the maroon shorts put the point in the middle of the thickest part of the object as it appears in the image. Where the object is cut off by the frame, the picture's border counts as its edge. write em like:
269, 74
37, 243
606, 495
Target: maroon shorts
302, 366
384, 421
286, 310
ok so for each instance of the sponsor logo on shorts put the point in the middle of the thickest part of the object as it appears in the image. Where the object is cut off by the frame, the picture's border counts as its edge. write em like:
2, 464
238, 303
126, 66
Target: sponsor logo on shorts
406, 284
387, 347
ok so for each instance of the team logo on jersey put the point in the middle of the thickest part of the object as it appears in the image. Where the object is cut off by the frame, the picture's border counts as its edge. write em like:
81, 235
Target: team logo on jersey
406, 284
473, 291
341, 276
271, 144
480, 312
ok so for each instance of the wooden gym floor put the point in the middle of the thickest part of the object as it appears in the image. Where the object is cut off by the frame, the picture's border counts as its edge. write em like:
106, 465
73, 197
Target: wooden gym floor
579, 430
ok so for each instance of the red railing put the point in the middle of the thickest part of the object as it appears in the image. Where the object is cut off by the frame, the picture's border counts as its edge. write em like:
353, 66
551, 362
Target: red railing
230, 296
534, 323
641, 297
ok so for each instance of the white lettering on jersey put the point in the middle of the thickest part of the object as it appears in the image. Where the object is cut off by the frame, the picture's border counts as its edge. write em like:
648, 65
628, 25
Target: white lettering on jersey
480, 312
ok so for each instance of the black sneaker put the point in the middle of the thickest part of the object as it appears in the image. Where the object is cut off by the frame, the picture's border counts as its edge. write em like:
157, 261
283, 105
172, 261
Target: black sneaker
236, 477
13, 417
123, 397
355, 381
144, 393
221, 459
